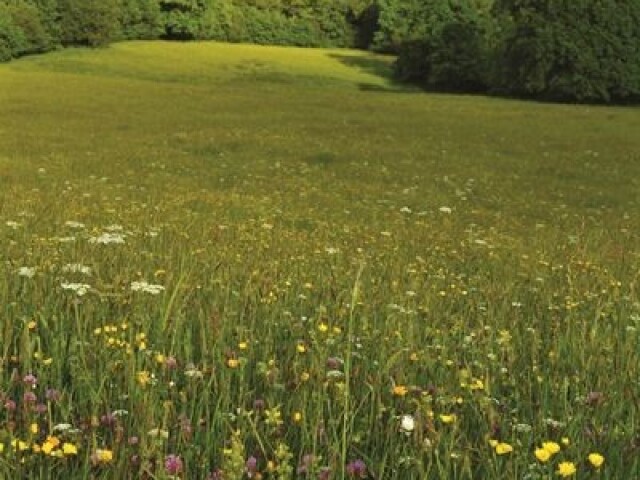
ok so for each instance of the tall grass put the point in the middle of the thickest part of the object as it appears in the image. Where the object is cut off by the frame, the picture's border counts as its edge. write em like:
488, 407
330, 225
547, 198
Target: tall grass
344, 279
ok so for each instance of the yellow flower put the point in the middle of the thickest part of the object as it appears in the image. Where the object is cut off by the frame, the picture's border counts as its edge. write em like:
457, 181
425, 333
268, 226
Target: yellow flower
304, 376
551, 447
477, 384
413, 357
33, 428
1, 447
565, 441
596, 459
103, 456
19, 445
160, 358
143, 378
493, 442
543, 455
69, 449
400, 390
448, 418
566, 469
243, 345
503, 448
297, 417
301, 348
323, 327
233, 363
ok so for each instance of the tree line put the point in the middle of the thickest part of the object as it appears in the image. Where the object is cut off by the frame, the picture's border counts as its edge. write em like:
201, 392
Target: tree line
568, 50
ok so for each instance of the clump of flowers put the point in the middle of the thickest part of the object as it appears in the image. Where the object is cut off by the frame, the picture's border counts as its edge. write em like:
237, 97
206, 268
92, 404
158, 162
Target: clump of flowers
145, 287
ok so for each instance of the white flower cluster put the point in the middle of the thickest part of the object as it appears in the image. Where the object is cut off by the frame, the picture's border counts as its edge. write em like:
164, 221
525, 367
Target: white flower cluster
80, 288
76, 268
146, 287
107, 238
28, 272
74, 224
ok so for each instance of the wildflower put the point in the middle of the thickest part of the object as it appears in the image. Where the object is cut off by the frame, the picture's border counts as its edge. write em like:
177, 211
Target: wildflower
565, 441
297, 417
503, 448
357, 469
30, 380
301, 348
251, 467
400, 390
73, 224
243, 345
69, 449
551, 447
407, 424
596, 460
158, 433
566, 469
323, 327
446, 210
102, 456
543, 455
76, 268
145, 287
173, 464
143, 377
29, 397
233, 363
19, 445
107, 238
28, 272
47, 447
33, 428
80, 288
448, 418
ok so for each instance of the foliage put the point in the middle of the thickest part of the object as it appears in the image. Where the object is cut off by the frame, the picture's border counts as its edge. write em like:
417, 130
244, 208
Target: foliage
570, 50
140, 19
453, 54
89, 22
21, 30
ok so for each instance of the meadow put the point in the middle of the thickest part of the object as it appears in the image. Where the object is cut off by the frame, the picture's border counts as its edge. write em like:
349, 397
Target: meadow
231, 262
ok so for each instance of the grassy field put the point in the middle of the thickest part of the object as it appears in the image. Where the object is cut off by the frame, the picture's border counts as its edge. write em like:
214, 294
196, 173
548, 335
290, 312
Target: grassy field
227, 261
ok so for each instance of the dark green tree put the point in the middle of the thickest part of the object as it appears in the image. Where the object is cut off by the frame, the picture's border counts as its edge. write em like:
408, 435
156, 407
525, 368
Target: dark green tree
570, 50
140, 19
21, 29
89, 22
451, 52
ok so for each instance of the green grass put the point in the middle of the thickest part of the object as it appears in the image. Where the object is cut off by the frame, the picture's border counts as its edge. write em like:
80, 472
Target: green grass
337, 251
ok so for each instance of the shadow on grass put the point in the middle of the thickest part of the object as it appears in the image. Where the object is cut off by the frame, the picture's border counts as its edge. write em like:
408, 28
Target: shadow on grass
379, 66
